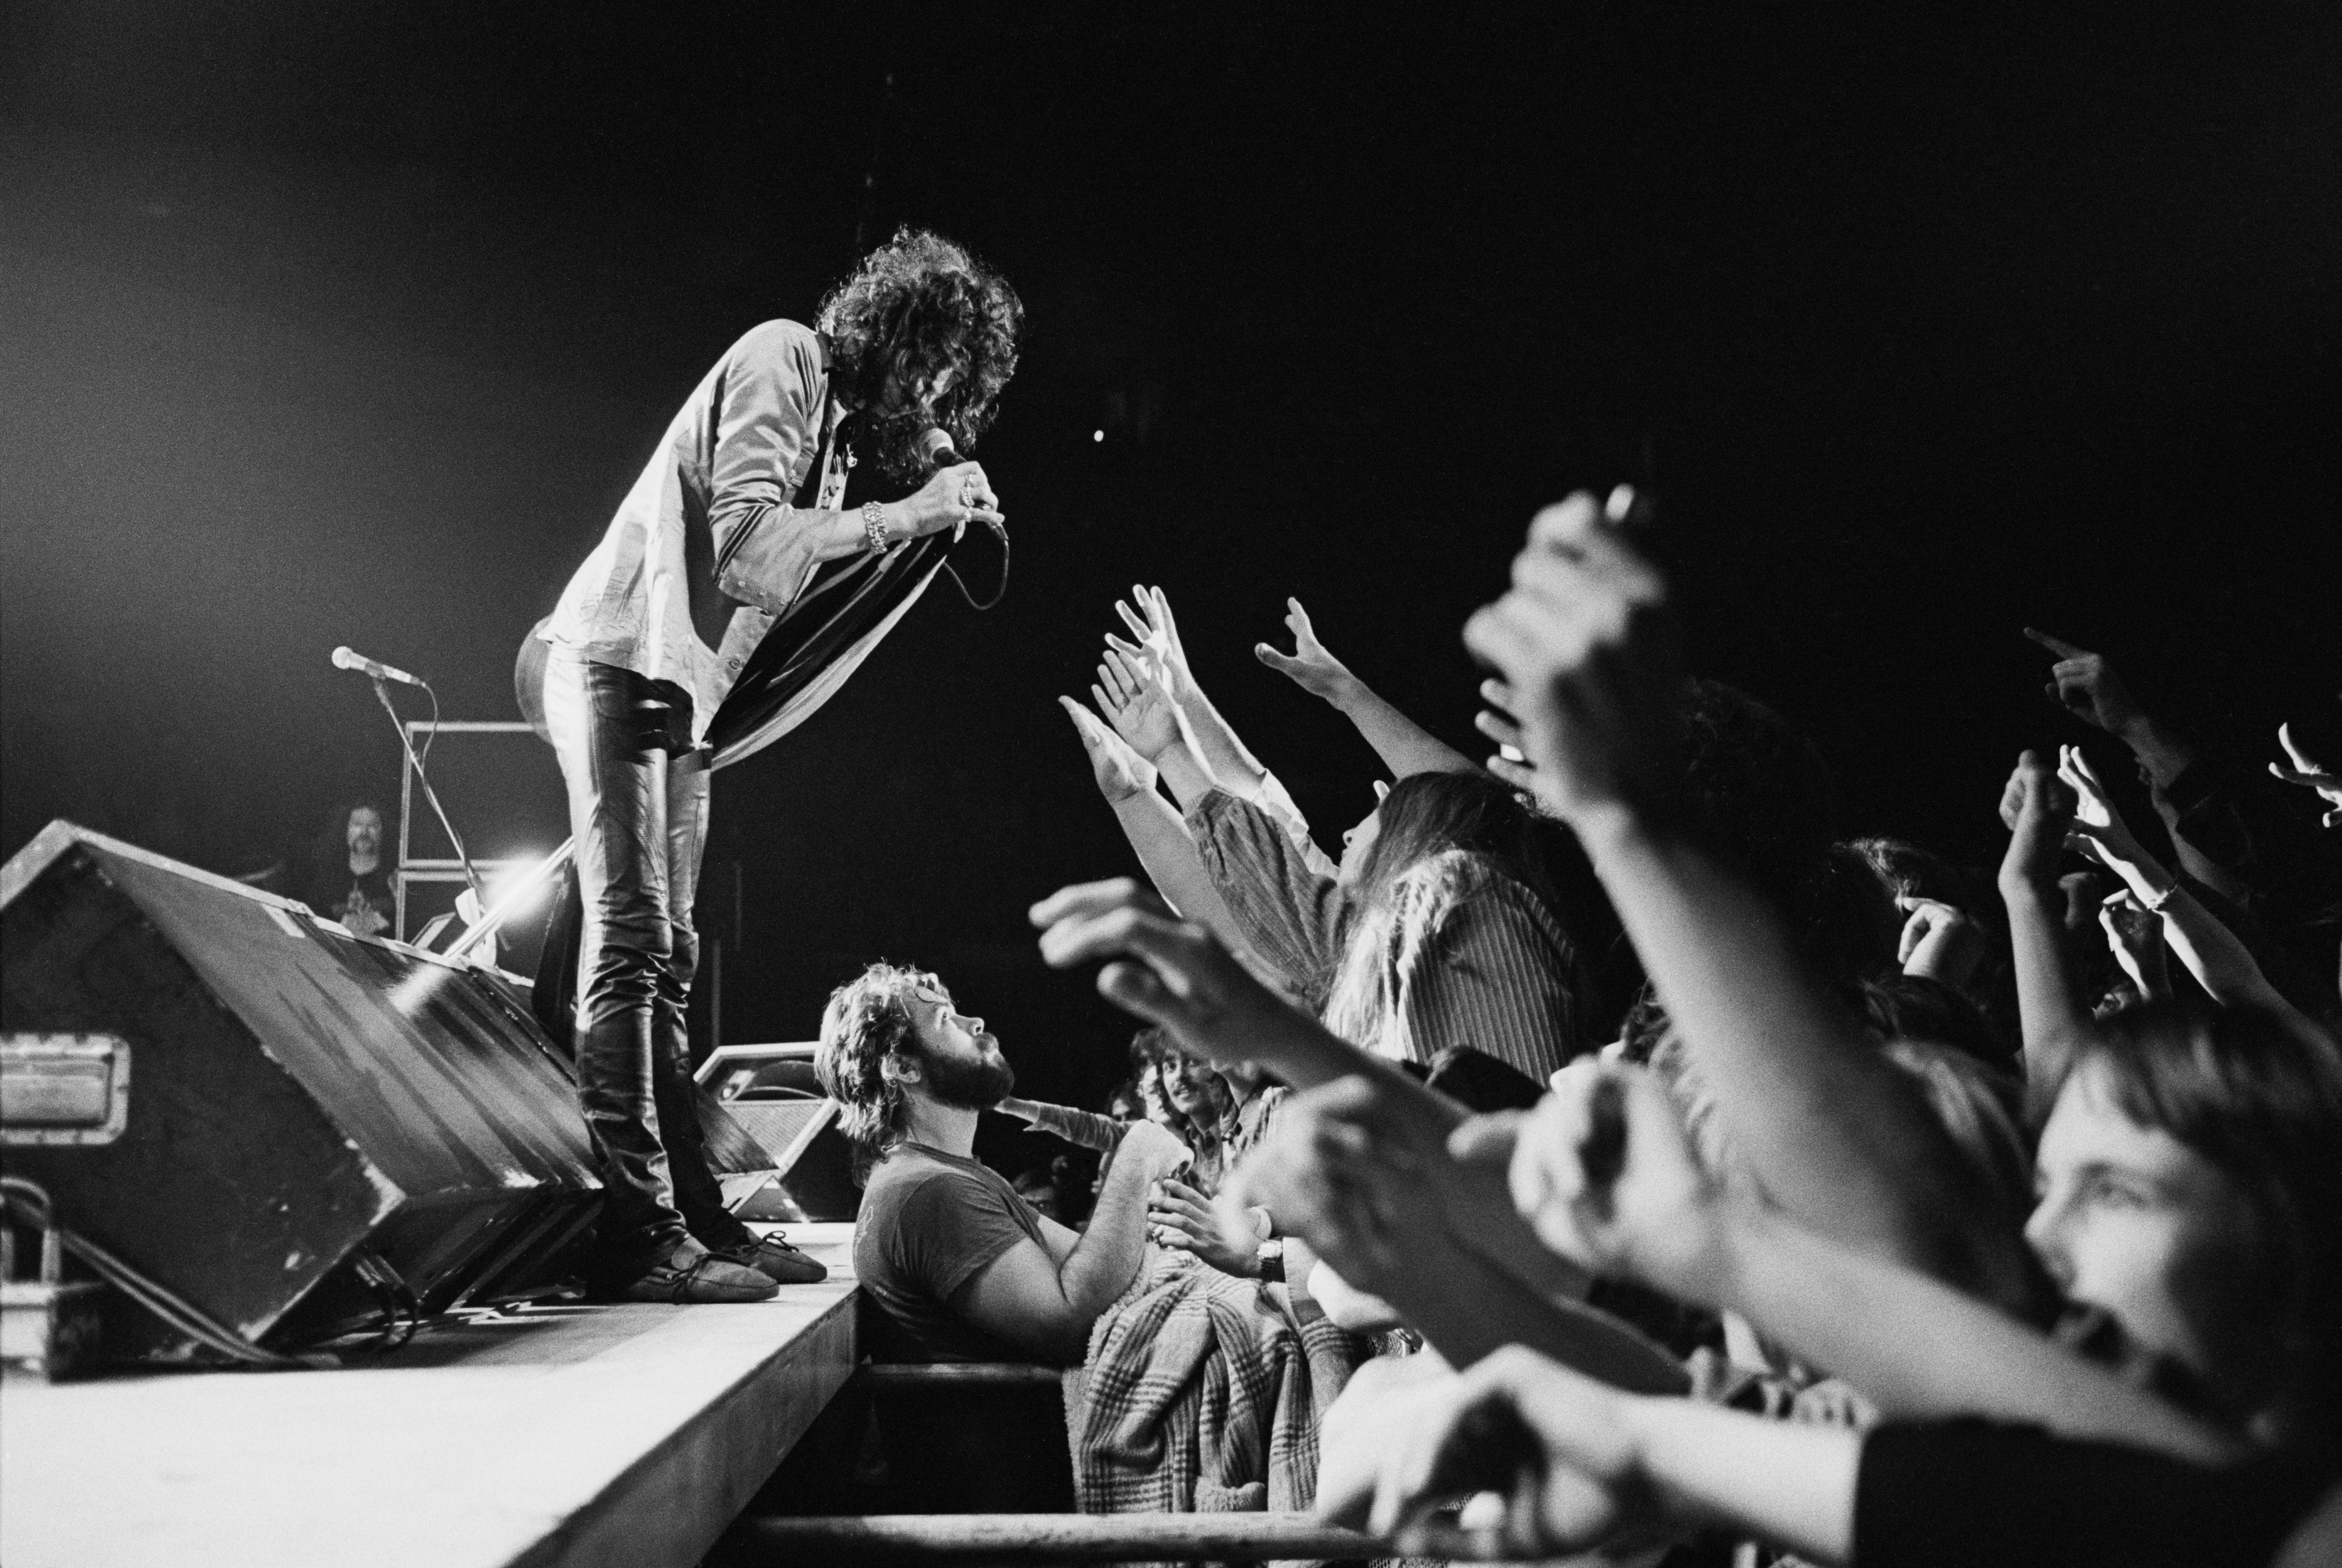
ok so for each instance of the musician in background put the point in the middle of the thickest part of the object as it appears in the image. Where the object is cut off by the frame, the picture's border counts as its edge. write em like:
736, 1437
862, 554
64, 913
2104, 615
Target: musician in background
737, 551
349, 877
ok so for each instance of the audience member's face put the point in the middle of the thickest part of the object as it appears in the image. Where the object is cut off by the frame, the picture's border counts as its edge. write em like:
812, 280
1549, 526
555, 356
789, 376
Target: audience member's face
1357, 845
1151, 1093
1194, 1089
365, 831
2133, 1220
963, 1064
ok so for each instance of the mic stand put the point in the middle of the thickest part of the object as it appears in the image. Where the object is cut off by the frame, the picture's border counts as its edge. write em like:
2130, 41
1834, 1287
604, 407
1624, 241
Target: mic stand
382, 695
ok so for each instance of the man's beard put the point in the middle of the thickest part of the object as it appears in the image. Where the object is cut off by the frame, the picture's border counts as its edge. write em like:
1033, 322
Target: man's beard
970, 1084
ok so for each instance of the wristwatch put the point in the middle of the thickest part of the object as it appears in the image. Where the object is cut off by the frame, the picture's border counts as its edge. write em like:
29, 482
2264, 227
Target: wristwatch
1271, 1257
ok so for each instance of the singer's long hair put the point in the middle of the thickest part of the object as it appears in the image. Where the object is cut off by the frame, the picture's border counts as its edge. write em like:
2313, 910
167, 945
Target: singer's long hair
917, 306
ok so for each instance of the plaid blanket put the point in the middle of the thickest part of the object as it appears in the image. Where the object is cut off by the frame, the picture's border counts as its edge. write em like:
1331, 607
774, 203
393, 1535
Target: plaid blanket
1202, 1396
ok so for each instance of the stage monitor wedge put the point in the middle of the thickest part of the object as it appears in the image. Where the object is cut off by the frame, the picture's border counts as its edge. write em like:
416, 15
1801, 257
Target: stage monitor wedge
244, 1100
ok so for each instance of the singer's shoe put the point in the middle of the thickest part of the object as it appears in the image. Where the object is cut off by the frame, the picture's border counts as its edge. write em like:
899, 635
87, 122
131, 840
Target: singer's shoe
777, 1261
692, 1274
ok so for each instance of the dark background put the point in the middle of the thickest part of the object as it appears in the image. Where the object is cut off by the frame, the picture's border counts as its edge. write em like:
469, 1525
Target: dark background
351, 323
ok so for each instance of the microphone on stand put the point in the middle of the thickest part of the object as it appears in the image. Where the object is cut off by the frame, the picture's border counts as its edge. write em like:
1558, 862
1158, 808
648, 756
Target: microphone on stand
344, 658
347, 658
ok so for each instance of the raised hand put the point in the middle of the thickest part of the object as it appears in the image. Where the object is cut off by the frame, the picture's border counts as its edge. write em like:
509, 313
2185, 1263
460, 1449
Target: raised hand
2038, 811
1940, 941
1344, 1175
1603, 1171
1497, 722
1158, 647
1551, 1440
2309, 776
1309, 666
2134, 935
1165, 970
1120, 771
1586, 644
1134, 701
2087, 686
2098, 830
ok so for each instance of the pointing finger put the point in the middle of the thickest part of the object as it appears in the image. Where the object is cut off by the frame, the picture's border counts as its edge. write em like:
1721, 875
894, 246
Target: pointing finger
2057, 645
1518, 775
2300, 758
1085, 898
1498, 727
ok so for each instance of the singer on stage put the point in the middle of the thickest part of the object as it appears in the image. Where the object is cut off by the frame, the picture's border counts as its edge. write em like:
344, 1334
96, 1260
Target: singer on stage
735, 569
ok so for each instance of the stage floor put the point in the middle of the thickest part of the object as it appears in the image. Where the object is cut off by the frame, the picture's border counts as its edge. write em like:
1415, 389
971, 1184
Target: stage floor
621, 1435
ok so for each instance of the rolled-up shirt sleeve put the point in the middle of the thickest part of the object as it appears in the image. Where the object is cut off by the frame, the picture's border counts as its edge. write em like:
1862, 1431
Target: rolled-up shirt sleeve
1290, 915
766, 424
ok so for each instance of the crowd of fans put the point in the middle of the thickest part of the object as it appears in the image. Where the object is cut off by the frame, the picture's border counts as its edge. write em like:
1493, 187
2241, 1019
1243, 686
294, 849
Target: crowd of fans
1691, 1182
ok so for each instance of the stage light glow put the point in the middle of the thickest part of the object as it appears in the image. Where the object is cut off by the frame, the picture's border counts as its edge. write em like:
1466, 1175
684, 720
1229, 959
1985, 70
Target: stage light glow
512, 889
1097, 435
518, 887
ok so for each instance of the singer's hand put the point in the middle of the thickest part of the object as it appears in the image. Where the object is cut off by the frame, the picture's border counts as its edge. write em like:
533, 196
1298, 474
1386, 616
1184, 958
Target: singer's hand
954, 498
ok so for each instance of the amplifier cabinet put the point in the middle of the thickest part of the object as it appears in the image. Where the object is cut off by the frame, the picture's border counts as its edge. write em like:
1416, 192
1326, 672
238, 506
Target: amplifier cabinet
247, 1102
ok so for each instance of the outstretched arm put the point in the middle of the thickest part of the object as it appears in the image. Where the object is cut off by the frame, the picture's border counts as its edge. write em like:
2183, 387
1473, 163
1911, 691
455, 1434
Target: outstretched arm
1045, 1299
1404, 745
1136, 702
1154, 830
1580, 1465
2213, 954
1366, 1199
1158, 649
765, 548
2051, 1012
1605, 1171
1829, 1128
1174, 974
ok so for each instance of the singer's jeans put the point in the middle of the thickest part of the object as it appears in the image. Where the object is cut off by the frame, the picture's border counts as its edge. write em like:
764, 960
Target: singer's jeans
638, 807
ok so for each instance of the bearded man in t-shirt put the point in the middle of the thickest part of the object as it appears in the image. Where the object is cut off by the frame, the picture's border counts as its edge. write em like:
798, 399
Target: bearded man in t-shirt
960, 1266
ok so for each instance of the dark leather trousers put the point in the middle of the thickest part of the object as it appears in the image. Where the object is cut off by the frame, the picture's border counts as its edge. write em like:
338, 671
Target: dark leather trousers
638, 809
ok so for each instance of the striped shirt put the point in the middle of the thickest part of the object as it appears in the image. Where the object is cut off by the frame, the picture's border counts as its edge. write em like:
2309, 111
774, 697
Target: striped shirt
1463, 956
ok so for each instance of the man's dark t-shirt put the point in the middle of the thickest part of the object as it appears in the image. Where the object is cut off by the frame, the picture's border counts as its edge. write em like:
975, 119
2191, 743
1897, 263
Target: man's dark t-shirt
929, 1222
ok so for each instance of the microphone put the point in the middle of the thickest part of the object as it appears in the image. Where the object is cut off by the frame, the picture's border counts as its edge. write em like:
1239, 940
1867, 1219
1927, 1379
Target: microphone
935, 445
344, 659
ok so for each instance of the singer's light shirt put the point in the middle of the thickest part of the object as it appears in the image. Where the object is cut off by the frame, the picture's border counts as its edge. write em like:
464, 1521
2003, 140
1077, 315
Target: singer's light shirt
710, 550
